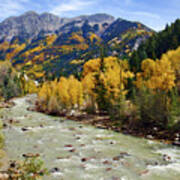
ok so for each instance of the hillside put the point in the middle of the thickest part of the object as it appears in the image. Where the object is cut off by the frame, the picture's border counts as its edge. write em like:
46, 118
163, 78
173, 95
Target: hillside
157, 45
48, 46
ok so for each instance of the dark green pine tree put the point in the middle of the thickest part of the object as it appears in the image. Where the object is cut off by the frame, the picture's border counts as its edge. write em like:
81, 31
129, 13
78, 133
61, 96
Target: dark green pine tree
100, 89
174, 42
151, 49
134, 62
142, 53
157, 45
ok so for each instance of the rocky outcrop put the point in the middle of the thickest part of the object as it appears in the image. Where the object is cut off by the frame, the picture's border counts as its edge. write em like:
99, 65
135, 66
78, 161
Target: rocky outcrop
31, 24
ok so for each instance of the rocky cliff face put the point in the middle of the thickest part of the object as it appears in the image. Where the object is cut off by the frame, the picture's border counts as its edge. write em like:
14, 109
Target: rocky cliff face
31, 24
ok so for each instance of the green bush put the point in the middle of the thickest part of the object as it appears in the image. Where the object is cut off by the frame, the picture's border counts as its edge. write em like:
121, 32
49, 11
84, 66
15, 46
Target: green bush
174, 122
117, 111
30, 169
9, 82
153, 108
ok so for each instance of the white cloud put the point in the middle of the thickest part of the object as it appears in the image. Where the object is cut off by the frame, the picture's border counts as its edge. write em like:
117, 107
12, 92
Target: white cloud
72, 5
146, 14
137, 14
11, 7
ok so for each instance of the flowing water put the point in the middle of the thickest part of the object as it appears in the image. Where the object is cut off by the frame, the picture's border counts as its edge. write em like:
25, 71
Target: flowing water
81, 152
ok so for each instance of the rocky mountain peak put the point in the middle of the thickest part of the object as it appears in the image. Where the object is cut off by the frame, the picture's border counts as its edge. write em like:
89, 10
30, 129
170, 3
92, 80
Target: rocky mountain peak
30, 13
30, 24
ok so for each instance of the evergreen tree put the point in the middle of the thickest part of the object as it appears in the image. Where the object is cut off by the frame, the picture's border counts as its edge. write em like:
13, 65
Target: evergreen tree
100, 89
157, 45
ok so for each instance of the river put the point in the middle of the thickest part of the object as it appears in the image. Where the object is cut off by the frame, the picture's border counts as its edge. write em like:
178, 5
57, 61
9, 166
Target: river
82, 152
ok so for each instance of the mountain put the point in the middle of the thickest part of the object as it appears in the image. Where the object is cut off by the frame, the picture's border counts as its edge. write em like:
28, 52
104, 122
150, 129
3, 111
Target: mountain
47, 46
31, 24
119, 26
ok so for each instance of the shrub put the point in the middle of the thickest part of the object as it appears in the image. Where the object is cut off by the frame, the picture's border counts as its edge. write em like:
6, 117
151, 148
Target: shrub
30, 169
153, 108
9, 83
124, 112
174, 110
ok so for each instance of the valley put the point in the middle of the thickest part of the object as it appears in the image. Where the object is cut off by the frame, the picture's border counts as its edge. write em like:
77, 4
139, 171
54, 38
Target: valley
88, 97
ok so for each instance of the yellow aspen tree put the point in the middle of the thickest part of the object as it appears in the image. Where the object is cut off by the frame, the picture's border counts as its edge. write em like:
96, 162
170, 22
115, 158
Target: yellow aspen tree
75, 92
63, 92
114, 77
174, 57
156, 75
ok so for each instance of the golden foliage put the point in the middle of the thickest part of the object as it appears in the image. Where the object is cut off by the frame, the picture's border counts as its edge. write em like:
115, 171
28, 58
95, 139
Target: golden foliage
66, 48
16, 49
28, 86
88, 83
71, 91
114, 77
50, 39
34, 71
65, 93
91, 66
77, 61
160, 74
93, 37
156, 75
173, 56
36, 49
77, 37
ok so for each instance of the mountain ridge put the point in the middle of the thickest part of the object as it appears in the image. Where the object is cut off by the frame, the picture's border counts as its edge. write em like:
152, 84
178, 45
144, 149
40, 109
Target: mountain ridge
47, 44
33, 23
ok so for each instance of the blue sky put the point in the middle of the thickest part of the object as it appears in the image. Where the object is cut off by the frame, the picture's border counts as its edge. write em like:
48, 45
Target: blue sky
153, 13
